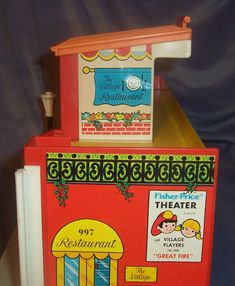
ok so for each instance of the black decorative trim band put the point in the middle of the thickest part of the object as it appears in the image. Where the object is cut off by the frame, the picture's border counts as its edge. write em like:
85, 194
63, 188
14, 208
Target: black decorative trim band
150, 169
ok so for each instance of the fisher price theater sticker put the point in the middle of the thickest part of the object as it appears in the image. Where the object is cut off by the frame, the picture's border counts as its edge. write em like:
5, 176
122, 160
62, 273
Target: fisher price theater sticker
175, 226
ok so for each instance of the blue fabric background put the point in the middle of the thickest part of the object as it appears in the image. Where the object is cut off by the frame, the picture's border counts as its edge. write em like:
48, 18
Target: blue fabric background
204, 85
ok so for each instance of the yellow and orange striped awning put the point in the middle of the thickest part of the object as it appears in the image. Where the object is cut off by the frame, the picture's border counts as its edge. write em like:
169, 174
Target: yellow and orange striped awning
138, 53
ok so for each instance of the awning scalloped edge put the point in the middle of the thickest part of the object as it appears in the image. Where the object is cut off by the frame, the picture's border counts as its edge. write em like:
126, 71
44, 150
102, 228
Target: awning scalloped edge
117, 56
87, 255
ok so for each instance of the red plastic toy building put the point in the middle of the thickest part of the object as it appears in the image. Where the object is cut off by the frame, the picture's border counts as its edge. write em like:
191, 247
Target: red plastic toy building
124, 193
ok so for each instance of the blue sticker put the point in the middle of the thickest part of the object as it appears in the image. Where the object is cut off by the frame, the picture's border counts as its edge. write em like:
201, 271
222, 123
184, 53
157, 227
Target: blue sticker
129, 86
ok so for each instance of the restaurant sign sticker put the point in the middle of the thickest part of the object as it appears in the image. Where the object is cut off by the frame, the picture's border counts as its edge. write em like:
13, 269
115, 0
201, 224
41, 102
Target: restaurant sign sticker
128, 86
